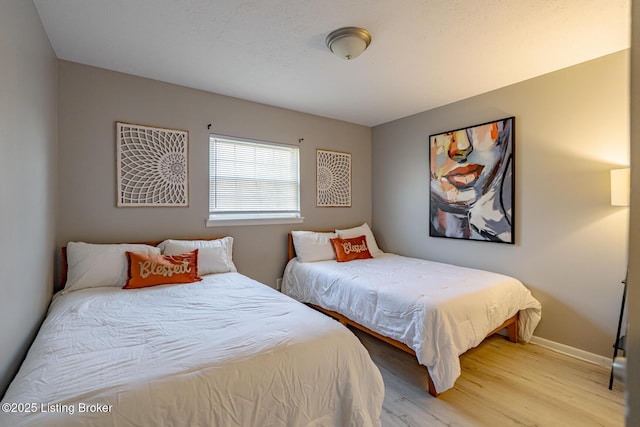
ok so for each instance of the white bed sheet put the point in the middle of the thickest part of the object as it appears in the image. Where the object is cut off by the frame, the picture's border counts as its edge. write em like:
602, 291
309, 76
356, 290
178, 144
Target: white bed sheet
438, 310
227, 351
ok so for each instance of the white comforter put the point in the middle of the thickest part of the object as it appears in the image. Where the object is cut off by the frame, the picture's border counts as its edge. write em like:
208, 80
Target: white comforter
438, 310
227, 351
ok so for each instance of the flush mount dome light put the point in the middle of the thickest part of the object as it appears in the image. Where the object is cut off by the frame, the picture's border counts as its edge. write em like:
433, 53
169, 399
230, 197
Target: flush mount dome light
348, 42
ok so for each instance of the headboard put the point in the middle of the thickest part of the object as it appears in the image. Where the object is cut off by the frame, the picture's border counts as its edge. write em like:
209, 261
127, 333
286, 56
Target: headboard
291, 250
64, 266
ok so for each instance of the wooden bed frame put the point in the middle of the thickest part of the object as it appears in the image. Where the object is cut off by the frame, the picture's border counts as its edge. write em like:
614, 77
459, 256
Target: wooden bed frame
511, 324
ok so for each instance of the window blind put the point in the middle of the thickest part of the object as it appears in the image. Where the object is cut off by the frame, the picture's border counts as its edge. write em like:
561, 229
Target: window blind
252, 179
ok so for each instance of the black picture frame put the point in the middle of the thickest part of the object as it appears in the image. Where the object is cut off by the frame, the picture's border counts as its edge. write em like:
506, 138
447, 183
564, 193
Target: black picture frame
472, 182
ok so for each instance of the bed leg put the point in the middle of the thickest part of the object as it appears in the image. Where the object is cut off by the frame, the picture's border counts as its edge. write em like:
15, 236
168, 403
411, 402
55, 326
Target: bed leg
432, 388
512, 330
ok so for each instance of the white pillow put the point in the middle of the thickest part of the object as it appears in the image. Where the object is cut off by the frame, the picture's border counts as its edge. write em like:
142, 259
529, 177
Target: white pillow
214, 256
362, 230
92, 265
312, 246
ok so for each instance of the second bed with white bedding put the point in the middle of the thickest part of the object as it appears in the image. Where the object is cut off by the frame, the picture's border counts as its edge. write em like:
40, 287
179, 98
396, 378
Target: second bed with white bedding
438, 310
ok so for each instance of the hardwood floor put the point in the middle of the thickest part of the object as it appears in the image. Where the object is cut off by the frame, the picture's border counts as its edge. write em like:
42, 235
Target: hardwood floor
502, 384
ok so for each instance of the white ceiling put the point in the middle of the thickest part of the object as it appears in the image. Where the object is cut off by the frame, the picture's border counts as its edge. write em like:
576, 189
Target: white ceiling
424, 53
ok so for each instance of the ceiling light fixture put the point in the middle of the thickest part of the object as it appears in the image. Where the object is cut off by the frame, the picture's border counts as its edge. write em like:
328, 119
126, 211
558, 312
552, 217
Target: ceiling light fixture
348, 42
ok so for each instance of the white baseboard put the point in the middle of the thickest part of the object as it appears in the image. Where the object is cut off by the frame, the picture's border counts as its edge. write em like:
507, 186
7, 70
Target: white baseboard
572, 351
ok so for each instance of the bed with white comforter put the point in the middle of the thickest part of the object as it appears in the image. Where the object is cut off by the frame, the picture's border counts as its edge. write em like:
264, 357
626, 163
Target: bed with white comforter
438, 310
226, 351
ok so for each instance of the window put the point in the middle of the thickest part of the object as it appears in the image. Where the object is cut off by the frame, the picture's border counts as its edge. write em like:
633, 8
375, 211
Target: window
253, 182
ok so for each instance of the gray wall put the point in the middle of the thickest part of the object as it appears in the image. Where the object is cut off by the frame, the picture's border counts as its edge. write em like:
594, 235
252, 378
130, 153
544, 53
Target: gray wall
572, 127
27, 179
632, 387
92, 100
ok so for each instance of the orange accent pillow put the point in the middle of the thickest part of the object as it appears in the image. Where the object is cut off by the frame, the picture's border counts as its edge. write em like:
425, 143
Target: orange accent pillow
152, 270
350, 249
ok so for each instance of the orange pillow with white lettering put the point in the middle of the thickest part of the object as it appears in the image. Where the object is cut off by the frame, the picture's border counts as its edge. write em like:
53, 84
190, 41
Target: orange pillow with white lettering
350, 249
152, 270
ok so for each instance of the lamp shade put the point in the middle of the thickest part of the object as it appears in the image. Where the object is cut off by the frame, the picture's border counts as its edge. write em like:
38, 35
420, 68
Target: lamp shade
620, 187
348, 42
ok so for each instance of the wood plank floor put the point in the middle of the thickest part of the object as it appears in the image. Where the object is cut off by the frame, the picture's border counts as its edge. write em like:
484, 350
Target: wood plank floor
502, 384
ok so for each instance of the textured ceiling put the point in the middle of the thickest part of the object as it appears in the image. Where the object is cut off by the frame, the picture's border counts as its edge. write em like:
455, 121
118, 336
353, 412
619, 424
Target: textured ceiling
424, 53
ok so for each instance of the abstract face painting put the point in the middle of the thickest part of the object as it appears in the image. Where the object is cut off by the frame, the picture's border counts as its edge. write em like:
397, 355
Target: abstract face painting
471, 182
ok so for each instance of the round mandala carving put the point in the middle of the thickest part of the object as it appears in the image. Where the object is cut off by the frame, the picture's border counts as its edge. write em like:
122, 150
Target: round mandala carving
333, 174
152, 166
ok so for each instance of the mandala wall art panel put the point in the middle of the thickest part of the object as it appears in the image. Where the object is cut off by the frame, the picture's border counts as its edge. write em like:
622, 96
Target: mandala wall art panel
333, 179
471, 182
152, 166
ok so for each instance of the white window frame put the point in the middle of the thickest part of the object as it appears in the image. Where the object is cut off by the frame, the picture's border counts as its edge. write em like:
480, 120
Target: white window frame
256, 217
